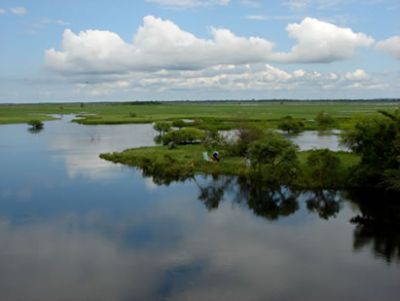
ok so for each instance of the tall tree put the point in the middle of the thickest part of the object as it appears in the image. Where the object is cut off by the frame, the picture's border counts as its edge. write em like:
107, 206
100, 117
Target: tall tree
377, 140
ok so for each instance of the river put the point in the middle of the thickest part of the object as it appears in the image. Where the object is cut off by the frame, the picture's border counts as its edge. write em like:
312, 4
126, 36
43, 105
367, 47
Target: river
75, 227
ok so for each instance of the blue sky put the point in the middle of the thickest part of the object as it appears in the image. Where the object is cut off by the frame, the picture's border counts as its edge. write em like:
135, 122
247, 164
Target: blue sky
192, 49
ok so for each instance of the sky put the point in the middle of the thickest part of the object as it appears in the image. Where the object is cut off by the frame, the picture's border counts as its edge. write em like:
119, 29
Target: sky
124, 50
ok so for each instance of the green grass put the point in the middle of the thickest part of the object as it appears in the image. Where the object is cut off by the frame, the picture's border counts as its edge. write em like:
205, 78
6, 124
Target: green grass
215, 115
348, 159
186, 161
181, 161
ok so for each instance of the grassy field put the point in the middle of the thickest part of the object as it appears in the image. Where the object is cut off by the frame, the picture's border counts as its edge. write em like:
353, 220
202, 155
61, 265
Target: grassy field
209, 115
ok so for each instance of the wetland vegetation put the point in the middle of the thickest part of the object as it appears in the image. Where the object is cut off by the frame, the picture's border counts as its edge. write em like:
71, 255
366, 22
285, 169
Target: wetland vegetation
264, 154
189, 132
206, 115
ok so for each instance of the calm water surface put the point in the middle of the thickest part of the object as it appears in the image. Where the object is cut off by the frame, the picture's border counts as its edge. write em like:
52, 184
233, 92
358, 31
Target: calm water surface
75, 227
308, 140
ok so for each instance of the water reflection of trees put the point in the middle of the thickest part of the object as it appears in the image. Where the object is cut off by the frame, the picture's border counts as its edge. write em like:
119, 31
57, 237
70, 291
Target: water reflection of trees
324, 202
162, 176
266, 200
34, 130
377, 225
269, 202
212, 193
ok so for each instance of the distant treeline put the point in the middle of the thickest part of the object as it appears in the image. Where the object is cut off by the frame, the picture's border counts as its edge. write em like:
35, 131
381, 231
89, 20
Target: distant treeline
159, 102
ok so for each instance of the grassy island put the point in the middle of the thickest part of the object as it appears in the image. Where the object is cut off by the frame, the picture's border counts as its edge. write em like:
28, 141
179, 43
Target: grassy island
185, 161
182, 161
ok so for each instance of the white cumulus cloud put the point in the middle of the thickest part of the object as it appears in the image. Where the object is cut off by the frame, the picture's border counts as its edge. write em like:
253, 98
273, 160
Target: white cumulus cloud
390, 46
357, 75
322, 42
160, 44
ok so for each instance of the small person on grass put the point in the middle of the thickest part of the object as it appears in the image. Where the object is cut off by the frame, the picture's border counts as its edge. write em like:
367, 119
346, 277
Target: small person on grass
215, 156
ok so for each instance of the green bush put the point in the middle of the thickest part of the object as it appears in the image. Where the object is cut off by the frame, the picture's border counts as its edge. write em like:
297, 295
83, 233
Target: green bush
246, 135
179, 123
184, 136
377, 140
36, 124
290, 125
214, 139
323, 169
274, 159
162, 127
324, 121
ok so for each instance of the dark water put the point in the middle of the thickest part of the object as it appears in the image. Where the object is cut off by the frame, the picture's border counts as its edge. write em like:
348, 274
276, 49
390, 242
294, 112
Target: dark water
75, 227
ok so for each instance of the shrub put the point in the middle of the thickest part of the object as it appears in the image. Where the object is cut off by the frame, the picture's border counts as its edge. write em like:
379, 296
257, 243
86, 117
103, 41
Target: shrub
323, 168
324, 120
245, 136
179, 123
162, 127
377, 140
214, 139
184, 136
290, 125
35, 124
274, 159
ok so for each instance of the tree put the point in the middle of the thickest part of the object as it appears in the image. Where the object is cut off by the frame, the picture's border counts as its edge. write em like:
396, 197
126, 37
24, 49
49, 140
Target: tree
324, 120
290, 125
213, 139
35, 124
246, 135
184, 136
377, 140
323, 168
274, 158
162, 127
178, 123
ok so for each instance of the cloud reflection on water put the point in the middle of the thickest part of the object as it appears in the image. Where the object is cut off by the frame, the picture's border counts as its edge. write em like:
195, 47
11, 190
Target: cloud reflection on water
186, 253
80, 146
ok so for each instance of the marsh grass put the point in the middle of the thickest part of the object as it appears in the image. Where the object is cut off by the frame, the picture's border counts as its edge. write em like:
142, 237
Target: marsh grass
207, 115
